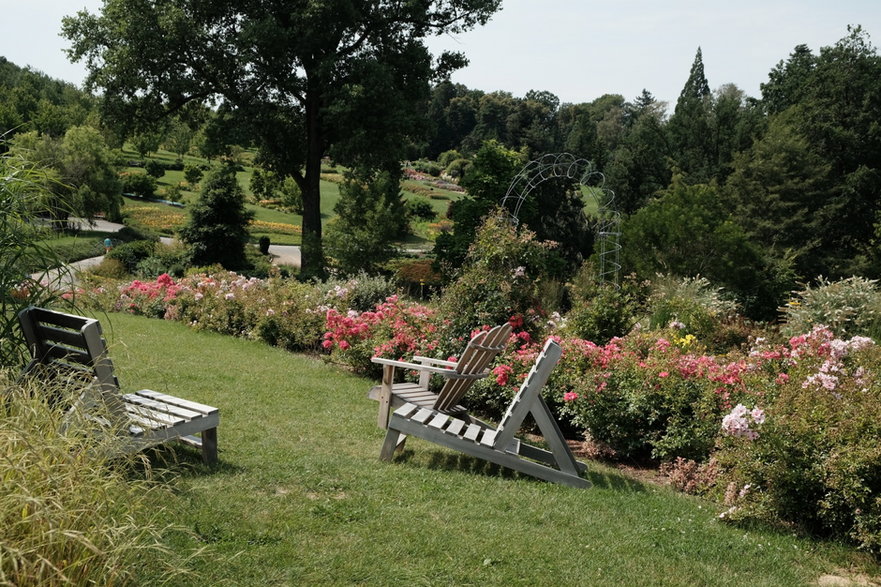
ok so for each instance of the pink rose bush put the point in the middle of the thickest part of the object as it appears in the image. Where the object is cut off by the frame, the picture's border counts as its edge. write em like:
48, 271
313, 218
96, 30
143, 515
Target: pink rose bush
280, 312
394, 329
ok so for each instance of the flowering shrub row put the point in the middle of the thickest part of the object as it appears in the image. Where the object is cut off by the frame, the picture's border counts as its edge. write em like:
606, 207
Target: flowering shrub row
280, 312
275, 227
786, 429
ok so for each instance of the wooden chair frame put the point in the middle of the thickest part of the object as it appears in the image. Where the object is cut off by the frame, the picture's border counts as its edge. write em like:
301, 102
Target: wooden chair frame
459, 375
76, 344
498, 445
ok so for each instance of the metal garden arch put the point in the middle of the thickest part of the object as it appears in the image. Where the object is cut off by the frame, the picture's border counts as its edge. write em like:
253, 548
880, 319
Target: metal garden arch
591, 183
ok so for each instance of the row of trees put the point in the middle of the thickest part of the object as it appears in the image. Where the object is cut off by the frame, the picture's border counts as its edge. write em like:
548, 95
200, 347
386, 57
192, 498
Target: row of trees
755, 193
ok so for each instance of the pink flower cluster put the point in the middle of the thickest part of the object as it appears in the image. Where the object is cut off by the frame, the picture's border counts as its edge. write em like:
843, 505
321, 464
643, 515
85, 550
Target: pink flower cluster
737, 422
343, 329
164, 287
147, 297
409, 326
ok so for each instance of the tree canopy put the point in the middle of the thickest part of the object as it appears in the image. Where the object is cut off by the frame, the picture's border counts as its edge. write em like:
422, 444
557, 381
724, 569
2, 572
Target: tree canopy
348, 77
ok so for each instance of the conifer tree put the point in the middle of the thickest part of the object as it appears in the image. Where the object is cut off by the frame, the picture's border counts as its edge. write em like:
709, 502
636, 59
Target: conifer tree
690, 128
218, 228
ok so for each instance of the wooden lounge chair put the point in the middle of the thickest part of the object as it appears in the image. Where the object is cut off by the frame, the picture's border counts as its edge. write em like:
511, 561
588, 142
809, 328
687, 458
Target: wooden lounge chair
460, 375
498, 445
64, 343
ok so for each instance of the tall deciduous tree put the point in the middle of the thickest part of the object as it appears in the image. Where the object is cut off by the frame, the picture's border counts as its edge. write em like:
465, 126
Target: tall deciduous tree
834, 101
639, 167
304, 76
85, 180
778, 188
689, 231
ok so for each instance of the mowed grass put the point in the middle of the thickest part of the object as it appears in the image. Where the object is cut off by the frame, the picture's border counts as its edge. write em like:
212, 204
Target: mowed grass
300, 497
166, 222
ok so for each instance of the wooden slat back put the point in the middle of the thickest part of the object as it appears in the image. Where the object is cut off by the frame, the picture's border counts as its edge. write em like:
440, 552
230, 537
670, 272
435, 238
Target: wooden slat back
481, 351
70, 342
528, 394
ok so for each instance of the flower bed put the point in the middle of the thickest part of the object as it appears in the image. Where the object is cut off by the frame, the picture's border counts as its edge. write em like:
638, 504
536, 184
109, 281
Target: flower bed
785, 430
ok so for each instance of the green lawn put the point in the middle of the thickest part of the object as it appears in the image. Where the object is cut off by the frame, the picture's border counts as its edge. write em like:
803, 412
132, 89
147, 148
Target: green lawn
300, 496
330, 194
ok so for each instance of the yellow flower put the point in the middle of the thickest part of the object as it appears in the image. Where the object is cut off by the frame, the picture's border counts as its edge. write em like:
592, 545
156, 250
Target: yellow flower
685, 341
276, 227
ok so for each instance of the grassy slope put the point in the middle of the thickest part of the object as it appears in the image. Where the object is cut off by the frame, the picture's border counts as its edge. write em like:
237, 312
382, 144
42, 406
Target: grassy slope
301, 498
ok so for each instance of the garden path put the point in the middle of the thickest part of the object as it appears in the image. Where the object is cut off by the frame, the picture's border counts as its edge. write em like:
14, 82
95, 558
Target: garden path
281, 255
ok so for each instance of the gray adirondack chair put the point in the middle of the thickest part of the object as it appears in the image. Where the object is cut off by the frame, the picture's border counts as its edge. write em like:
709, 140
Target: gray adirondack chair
72, 344
498, 445
482, 349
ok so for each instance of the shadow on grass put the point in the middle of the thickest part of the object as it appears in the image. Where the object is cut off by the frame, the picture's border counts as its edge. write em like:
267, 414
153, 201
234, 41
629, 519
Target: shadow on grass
465, 463
186, 461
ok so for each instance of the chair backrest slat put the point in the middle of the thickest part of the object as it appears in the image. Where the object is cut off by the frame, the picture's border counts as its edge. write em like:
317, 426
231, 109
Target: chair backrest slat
528, 393
481, 351
67, 341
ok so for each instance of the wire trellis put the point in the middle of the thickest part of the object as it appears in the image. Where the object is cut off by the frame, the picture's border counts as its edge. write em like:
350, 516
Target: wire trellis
592, 183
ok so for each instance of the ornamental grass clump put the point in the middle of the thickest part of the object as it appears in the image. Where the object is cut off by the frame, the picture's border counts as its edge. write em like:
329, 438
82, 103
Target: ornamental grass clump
69, 515
690, 304
848, 307
23, 198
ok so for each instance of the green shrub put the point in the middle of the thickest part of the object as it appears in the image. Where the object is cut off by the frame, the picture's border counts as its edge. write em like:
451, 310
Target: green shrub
498, 280
447, 157
154, 169
129, 233
193, 173
849, 307
110, 268
429, 167
457, 168
420, 208
370, 215
132, 253
291, 196
139, 184
173, 193
601, 312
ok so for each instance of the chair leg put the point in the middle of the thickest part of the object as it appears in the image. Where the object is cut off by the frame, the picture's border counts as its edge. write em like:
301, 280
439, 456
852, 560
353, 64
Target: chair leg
209, 446
402, 439
385, 396
390, 444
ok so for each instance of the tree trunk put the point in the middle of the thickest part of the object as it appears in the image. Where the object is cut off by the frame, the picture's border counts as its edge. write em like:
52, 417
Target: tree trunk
312, 263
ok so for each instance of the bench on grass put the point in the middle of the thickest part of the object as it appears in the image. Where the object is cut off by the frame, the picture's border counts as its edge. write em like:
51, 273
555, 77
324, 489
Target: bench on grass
66, 344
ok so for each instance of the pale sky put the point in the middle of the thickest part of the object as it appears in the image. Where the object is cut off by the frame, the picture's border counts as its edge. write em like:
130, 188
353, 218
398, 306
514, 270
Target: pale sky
576, 49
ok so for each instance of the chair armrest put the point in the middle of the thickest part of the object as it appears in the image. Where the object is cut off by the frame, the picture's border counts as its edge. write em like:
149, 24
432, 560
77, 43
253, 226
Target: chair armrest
428, 368
431, 361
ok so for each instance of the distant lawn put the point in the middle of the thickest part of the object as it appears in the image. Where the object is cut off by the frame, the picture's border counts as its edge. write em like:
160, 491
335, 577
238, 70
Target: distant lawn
300, 496
73, 247
167, 223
